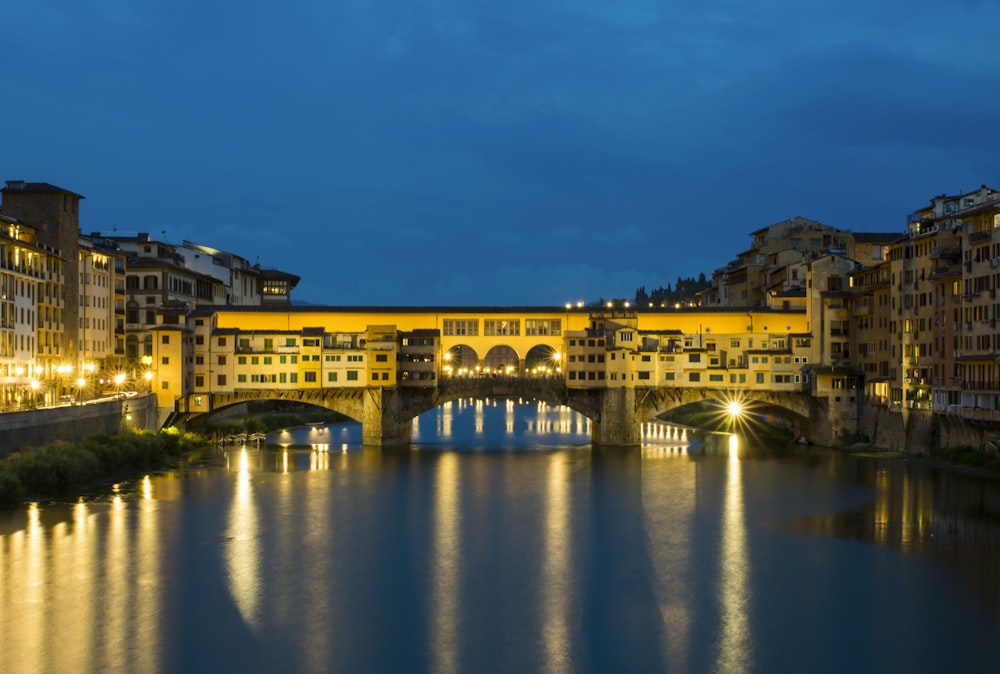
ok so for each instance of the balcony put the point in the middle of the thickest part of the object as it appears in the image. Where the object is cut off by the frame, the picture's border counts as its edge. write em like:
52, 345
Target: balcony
978, 237
946, 252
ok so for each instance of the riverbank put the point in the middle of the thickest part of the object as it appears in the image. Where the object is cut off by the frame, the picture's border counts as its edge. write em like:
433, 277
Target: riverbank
64, 469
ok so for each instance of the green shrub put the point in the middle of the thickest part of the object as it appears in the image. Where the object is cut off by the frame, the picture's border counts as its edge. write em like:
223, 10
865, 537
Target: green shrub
63, 468
11, 490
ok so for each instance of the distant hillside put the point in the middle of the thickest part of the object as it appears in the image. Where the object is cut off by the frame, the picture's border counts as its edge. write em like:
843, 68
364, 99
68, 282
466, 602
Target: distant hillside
684, 291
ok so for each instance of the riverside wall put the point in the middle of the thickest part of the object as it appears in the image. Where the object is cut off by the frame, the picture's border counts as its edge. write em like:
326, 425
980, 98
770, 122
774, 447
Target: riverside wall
73, 423
922, 431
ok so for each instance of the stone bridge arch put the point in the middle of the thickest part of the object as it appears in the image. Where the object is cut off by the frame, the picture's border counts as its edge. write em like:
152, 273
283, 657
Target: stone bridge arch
616, 414
459, 360
808, 415
348, 401
542, 359
502, 359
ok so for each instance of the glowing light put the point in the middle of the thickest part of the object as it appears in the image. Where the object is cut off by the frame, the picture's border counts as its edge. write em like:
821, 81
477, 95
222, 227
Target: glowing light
734, 408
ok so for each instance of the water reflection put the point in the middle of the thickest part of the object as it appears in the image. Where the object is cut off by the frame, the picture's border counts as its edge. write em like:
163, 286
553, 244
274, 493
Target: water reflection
79, 586
446, 568
558, 577
498, 552
472, 424
734, 570
916, 508
241, 552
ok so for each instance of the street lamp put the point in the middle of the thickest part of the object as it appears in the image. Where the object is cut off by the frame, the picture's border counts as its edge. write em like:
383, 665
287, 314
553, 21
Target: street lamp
119, 380
80, 384
148, 376
34, 392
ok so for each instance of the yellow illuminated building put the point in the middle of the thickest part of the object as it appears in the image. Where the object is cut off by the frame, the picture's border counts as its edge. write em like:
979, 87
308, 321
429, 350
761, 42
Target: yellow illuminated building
31, 318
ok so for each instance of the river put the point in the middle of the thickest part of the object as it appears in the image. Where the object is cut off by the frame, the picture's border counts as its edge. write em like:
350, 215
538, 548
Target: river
502, 542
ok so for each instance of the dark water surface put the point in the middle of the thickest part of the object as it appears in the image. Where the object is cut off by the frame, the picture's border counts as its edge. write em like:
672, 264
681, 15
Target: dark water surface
501, 542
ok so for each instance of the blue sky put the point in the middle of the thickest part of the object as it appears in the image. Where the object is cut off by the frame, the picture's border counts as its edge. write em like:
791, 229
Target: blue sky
474, 152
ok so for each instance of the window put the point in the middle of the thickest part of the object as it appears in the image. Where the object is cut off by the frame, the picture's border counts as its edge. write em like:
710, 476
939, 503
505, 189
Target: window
694, 376
221, 379
244, 343
268, 344
164, 339
543, 327
460, 326
241, 379
352, 375
165, 360
289, 341
310, 377
694, 357
222, 360
199, 360
381, 358
501, 327
331, 376
199, 380
267, 360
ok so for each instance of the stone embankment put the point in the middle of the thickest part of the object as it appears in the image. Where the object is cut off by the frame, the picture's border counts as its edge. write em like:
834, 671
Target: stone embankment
74, 423
924, 432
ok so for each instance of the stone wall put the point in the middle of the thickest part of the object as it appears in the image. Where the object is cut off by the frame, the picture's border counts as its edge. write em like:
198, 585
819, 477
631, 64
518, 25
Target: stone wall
922, 431
73, 423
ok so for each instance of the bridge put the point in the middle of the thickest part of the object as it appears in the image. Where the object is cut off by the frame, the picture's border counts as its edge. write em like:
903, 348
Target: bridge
616, 414
615, 365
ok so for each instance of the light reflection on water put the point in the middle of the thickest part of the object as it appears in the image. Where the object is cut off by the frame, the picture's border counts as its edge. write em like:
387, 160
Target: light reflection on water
475, 551
734, 570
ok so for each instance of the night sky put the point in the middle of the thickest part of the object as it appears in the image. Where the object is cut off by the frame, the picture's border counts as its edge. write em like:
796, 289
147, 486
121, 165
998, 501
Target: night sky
509, 152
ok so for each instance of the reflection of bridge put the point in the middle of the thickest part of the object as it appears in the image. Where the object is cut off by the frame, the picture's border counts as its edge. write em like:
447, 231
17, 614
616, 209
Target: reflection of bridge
618, 367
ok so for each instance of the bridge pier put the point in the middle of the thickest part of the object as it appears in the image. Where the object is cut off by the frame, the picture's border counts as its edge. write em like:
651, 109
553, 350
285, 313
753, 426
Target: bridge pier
619, 424
384, 424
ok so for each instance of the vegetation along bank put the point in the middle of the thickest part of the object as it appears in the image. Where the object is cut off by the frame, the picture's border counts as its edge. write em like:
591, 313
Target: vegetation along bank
63, 469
